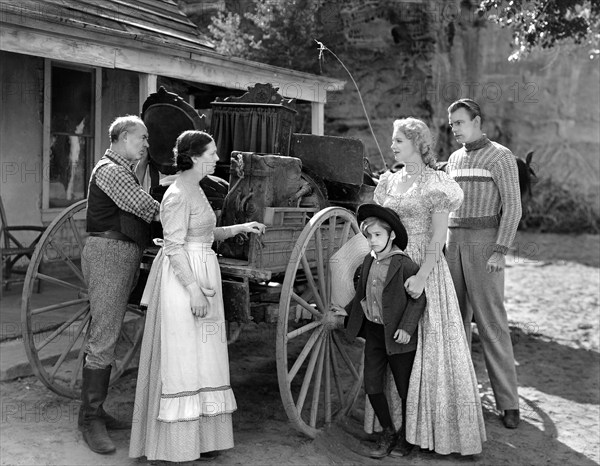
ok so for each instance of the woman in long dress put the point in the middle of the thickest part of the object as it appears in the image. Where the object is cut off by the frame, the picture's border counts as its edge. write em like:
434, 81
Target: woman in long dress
444, 409
183, 401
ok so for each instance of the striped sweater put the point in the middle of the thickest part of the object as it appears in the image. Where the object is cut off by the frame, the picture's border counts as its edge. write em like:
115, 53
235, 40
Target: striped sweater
487, 173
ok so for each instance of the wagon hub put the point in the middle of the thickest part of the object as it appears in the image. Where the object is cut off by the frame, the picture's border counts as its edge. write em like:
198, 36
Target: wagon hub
332, 321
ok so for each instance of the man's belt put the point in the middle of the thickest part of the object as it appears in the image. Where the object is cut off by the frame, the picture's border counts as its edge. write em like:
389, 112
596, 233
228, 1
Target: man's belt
111, 234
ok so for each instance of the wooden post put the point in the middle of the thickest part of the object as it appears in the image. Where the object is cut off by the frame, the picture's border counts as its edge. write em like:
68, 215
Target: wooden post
148, 83
318, 118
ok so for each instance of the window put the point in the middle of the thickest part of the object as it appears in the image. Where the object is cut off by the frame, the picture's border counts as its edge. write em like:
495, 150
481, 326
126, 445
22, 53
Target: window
70, 116
71, 134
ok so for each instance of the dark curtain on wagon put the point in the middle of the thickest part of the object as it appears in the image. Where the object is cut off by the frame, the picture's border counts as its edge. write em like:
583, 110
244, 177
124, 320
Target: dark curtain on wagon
257, 128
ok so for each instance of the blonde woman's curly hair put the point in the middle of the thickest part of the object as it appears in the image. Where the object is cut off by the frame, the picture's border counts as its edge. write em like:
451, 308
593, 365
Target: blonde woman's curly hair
418, 133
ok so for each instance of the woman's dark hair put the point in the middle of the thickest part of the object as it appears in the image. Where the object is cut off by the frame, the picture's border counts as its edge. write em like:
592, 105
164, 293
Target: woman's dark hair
190, 144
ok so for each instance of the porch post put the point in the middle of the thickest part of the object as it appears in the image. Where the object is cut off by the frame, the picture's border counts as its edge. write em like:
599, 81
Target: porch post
147, 86
148, 83
318, 118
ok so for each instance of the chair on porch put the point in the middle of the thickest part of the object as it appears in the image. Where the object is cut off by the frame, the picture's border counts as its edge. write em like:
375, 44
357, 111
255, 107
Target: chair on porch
13, 249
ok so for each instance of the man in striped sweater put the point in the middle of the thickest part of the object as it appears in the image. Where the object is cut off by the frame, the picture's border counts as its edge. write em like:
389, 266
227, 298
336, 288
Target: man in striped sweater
479, 235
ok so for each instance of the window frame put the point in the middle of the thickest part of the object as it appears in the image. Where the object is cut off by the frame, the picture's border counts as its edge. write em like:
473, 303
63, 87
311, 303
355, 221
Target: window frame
49, 213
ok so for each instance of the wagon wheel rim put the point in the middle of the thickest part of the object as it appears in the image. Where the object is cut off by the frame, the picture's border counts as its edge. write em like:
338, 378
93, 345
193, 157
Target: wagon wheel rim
55, 323
319, 371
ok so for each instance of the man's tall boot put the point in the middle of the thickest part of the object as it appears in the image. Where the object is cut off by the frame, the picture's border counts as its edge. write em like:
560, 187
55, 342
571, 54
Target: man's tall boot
93, 393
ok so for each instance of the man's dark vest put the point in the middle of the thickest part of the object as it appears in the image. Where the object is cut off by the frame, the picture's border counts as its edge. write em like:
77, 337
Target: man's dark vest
104, 215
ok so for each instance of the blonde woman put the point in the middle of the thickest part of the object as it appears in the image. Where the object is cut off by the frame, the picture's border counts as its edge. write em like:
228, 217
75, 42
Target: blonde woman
444, 410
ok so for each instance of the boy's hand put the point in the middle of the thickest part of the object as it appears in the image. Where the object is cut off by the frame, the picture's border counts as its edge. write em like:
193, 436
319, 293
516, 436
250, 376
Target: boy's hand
401, 336
414, 286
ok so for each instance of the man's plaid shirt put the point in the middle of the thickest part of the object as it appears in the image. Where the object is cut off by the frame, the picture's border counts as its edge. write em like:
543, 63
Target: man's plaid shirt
119, 182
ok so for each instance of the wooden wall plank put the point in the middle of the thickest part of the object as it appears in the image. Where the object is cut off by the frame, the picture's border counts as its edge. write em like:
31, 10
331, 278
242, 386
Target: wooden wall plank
47, 46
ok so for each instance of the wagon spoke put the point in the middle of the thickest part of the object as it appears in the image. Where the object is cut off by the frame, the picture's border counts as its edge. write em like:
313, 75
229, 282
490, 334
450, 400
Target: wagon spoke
57, 281
320, 266
314, 409
313, 286
332, 227
327, 381
305, 328
335, 367
60, 329
135, 310
304, 353
306, 306
308, 376
67, 350
76, 234
331, 247
58, 248
125, 336
79, 364
353, 391
345, 235
55, 307
345, 356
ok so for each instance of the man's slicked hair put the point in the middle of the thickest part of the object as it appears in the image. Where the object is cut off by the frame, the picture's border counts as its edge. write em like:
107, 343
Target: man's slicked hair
469, 105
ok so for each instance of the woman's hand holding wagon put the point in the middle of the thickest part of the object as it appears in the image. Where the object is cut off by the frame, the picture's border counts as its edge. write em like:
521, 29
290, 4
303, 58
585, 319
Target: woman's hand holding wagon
249, 227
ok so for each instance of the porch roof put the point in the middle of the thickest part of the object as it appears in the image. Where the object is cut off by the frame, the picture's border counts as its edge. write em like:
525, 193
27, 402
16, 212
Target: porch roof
146, 36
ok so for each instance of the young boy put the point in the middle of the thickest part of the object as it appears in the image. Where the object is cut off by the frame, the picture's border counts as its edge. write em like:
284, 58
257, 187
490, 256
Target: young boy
386, 317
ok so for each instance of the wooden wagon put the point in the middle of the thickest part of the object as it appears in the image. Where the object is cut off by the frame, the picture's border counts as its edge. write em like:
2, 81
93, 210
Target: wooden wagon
304, 189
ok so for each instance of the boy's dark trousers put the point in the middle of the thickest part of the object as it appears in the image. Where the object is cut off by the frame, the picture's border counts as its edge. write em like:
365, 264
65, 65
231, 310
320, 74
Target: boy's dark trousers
376, 362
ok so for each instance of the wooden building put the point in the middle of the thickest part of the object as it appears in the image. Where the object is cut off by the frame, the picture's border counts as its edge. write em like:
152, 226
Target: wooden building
69, 67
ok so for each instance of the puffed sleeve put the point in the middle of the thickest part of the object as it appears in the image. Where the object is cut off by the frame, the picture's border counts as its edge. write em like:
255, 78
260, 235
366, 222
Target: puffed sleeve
174, 216
443, 194
380, 194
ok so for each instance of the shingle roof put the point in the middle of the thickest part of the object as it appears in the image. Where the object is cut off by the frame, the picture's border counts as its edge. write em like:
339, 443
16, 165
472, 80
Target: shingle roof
156, 21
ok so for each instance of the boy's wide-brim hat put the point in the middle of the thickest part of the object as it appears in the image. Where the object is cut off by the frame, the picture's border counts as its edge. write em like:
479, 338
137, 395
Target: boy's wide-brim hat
387, 215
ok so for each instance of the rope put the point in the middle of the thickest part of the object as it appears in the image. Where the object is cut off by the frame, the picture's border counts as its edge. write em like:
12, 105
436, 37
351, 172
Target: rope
323, 48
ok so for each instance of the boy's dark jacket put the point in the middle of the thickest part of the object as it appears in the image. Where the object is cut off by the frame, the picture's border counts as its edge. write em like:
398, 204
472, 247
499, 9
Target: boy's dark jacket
399, 311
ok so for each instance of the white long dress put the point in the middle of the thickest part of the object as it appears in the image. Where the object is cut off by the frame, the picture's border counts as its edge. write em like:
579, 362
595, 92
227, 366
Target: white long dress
183, 400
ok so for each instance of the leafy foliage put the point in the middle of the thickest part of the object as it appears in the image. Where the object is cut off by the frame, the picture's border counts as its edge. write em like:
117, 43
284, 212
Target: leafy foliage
228, 36
547, 23
280, 33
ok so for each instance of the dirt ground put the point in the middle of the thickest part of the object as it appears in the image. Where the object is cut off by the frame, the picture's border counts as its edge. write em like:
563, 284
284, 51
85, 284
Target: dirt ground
552, 296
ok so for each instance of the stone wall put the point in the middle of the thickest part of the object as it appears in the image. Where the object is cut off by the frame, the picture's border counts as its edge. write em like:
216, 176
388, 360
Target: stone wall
415, 58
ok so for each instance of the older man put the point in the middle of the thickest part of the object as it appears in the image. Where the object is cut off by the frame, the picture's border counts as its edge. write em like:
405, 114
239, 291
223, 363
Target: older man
480, 233
118, 217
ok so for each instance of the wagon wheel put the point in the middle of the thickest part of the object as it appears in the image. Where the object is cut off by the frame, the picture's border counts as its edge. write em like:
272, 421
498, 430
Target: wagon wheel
55, 320
319, 370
